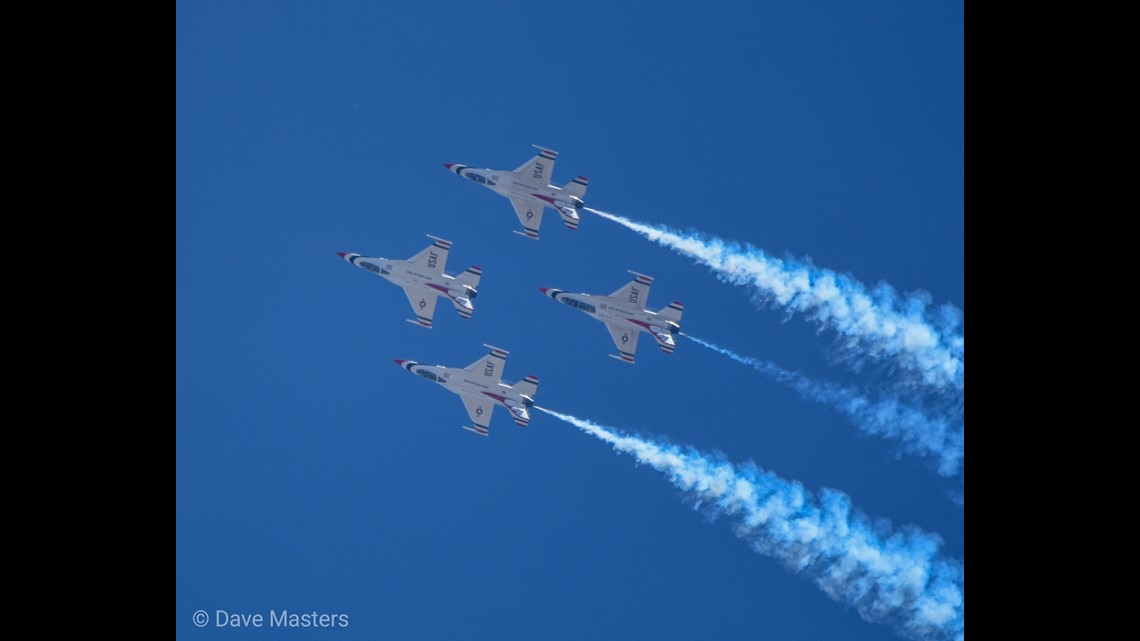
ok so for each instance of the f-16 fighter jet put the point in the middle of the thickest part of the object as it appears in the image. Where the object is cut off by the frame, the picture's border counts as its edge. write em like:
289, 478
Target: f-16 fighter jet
423, 279
529, 190
626, 316
480, 387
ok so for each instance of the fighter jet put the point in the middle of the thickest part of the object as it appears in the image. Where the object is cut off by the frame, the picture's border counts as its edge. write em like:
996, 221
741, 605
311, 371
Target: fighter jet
480, 387
528, 191
625, 315
423, 279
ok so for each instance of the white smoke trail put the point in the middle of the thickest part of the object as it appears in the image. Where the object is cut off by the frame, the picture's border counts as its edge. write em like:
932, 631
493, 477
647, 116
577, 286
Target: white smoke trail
878, 323
897, 578
917, 432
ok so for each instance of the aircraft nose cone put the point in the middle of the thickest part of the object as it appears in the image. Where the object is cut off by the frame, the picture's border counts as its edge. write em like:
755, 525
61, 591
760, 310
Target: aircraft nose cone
448, 165
341, 254
543, 289
401, 362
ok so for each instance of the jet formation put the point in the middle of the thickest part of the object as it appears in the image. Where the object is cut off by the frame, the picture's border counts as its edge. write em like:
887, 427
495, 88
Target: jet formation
424, 281
529, 190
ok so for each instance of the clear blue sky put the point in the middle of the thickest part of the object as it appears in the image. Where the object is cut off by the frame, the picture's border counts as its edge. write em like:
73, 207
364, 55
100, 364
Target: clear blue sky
315, 474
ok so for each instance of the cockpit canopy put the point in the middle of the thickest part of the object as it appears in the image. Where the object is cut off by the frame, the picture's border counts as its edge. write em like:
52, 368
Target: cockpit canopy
479, 178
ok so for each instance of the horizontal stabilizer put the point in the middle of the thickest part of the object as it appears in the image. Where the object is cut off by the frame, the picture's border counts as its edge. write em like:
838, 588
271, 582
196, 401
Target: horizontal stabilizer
465, 291
672, 311
577, 187
527, 386
570, 218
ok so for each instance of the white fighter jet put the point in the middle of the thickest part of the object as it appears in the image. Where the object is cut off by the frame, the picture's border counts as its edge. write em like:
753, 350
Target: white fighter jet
626, 316
480, 387
529, 190
423, 279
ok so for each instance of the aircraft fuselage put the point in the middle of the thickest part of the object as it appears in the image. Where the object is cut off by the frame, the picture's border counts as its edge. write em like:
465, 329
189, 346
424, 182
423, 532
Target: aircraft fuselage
511, 185
632, 315
403, 274
480, 383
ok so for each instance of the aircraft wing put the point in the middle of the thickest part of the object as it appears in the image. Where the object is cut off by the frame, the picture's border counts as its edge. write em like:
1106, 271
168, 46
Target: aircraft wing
479, 409
539, 169
625, 337
423, 304
530, 215
434, 258
635, 293
490, 366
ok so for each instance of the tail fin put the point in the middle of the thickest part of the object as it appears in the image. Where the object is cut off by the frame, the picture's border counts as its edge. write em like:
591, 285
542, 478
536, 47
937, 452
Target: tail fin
672, 312
527, 387
577, 187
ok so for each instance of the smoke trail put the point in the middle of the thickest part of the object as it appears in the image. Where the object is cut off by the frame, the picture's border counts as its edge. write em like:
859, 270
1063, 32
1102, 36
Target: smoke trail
897, 578
918, 433
879, 323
